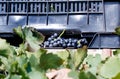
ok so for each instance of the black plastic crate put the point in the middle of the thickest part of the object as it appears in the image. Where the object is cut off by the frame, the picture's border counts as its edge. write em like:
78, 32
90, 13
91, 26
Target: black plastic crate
47, 12
93, 19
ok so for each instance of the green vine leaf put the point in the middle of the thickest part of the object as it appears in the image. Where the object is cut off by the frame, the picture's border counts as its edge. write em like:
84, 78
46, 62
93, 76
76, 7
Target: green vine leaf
62, 54
76, 58
70, 61
93, 63
50, 61
79, 56
116, 52
33, 61
37, 75
93, 60
86, 75
5, 49
74, 74
117, 76
117, 30
22, 60
31, 38
21, 49
15, 77
19, 32
111, 68
2, 76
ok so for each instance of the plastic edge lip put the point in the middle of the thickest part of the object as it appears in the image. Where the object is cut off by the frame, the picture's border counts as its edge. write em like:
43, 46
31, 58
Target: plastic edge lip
53, 27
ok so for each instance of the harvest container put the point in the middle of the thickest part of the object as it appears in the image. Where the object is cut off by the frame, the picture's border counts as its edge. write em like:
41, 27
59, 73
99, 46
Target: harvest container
93, 19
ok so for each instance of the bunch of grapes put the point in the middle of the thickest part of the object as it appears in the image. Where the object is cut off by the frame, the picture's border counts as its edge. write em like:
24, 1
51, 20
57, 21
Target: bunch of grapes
56, 41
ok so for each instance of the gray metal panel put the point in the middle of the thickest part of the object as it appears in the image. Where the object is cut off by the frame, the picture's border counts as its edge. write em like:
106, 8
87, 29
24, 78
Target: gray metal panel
110, 41
3, 20
103, 40
7, 28
80, 21
57, 19
95, 23
77, 20
112, 13
37, 20
95, 43
17, 20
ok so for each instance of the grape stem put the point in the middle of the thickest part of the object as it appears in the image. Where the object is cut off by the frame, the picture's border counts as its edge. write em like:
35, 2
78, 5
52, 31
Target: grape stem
62, 33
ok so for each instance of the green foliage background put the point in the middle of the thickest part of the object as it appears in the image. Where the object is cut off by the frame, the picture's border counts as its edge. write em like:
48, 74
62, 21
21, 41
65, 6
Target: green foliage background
30, 61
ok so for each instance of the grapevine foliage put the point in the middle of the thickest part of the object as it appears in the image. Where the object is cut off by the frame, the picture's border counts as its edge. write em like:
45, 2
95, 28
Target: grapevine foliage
30, 61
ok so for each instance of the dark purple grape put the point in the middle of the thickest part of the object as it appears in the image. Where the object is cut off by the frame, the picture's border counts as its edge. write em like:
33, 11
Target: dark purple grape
68, 45
64, 45
74, 40
83, 41
52, 36
70, 40
55, 35
58, 42
52, 41
60, 39
73, 44
55, 40
50, 45
46, 43
66, 40
49, 39
54, 44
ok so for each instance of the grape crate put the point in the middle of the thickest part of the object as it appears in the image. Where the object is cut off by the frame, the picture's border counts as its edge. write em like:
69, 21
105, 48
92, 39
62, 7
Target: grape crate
56, 41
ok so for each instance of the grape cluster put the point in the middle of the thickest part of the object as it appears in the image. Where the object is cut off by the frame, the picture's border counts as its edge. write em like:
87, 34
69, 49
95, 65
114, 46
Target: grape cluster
56, 41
